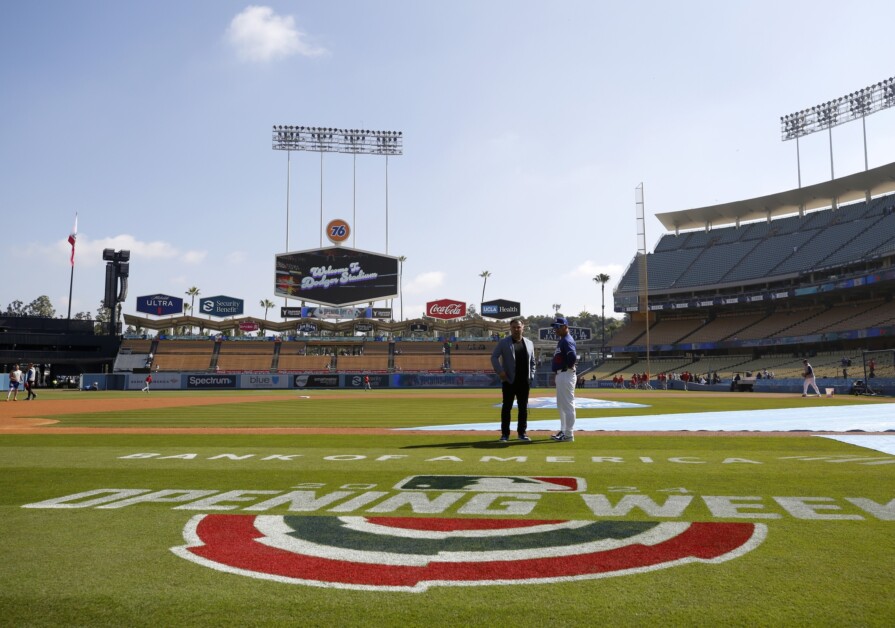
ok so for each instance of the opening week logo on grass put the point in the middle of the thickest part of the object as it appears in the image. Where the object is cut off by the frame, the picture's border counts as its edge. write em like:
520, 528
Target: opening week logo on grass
413, 554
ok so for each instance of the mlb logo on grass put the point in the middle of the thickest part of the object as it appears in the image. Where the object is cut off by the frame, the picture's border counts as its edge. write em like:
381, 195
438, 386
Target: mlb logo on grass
492, 484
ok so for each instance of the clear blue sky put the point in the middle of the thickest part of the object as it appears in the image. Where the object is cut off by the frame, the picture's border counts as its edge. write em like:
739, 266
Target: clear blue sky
527, 125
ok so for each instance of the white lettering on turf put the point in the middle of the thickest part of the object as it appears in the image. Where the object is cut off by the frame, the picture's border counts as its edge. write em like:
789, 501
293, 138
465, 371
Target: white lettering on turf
725, 507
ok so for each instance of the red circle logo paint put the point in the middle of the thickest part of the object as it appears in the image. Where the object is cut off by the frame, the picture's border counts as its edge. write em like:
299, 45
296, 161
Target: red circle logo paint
413, 554
338, 231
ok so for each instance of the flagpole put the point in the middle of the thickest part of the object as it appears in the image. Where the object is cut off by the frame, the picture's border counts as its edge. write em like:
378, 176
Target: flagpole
71, 283
73, 236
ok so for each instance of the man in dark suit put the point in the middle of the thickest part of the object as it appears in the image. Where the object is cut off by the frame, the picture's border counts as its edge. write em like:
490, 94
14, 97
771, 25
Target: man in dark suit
513, 359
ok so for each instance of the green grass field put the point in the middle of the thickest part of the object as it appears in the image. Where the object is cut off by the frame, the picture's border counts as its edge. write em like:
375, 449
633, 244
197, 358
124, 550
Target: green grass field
824, 558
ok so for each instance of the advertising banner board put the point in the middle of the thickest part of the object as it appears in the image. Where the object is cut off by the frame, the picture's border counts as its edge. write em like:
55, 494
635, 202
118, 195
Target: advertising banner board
160, 304
160, 381
211, 381
336, 313
446, 309
577, 333
316, 381
221, 306
290, 312
336, 276
357, 381
263, 380
501, 308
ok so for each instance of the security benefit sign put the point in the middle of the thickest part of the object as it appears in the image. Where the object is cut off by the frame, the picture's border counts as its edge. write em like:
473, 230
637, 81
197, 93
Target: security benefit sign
501, 308
221, 306
336, 276
577, 333
160, 304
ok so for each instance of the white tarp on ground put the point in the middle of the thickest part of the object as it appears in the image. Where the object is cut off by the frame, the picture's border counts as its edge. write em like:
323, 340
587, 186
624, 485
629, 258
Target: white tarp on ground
885, 444
858, 418
549, 403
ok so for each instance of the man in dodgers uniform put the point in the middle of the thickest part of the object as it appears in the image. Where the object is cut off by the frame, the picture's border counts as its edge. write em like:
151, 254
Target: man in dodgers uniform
564, 358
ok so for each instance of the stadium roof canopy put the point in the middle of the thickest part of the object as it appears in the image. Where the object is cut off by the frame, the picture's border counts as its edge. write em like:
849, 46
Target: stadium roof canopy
853, 187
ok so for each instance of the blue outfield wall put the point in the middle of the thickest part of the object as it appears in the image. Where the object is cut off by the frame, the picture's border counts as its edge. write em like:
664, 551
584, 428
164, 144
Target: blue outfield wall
310, 381
296, 381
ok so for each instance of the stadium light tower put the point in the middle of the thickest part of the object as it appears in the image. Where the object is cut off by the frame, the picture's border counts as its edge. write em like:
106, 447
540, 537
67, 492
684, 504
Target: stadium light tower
825, 116
640, 209
327, 140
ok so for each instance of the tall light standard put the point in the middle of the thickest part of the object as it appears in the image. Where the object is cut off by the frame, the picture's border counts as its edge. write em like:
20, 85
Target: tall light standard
825, 116
601, 279
327, 140
401, 260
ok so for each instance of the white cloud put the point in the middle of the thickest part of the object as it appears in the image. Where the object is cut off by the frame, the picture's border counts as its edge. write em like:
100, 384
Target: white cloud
591, 269
236, 258
90, 252
424, 282
194, 257
258, 34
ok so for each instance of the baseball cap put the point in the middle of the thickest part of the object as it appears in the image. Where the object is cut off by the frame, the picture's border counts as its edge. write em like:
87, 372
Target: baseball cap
560, 321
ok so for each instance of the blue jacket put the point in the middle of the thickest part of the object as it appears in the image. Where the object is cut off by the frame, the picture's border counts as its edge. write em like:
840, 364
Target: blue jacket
503, 358
565, 355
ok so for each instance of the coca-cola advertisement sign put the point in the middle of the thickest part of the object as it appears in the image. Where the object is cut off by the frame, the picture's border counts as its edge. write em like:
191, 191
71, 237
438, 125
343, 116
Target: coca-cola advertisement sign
445, 309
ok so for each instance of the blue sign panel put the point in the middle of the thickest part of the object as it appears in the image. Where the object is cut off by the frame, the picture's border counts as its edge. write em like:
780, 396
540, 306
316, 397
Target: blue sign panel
501, 308
160, 304
577, 333
221, 306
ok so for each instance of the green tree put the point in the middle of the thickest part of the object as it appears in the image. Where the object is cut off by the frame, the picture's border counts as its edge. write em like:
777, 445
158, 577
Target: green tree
41, 306
601, 279
266, 304
16, 308
192, 293
102, 318
484, 274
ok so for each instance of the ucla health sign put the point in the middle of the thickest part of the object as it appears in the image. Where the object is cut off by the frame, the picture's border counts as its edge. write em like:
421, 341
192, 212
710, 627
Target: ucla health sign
160, 304
221, 306
501, 308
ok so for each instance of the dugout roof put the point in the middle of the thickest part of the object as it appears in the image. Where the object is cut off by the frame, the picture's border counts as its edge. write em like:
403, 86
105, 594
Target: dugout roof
850, 188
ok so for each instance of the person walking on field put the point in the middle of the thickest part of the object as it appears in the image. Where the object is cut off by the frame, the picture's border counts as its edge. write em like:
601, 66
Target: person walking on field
513, 359
148, 382
808, 374
31, 382
15, 380
564, 358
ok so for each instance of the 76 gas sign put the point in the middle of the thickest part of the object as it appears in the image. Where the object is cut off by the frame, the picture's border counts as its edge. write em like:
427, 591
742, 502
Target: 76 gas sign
338, 231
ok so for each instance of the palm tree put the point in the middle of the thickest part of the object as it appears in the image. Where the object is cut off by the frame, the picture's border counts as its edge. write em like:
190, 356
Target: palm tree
187, 310
192, 293
601, 279
401, 260
266, 304
484, 274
